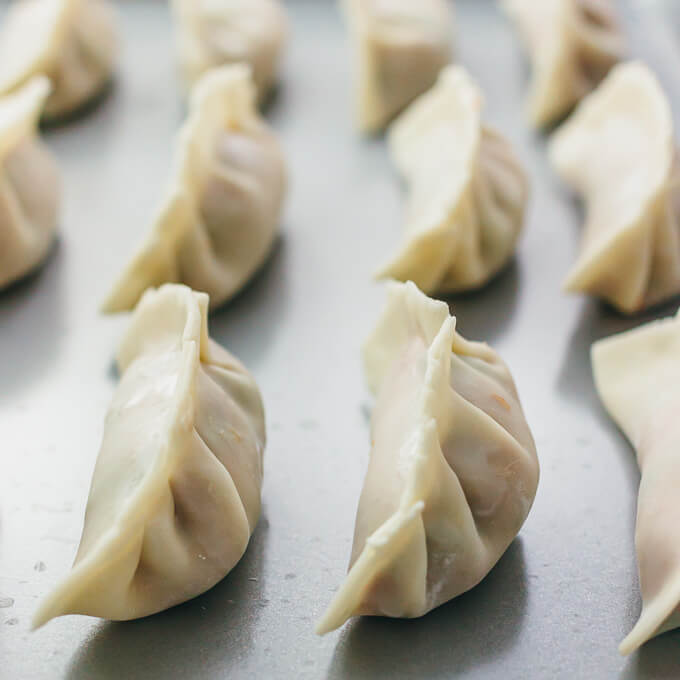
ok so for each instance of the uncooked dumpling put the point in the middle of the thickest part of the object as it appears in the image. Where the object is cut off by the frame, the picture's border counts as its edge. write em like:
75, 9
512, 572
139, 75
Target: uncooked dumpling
637, 375
73, 42
220, 216
400, 48
216, 32
175, 494
572, 44
467, 190
453, 468
617, 151
30, 188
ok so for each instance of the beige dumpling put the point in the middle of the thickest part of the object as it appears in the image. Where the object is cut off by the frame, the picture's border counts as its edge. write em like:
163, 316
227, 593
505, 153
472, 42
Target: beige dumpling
637, 375
213, 33
572, 45
73, 42
617, 151
400, 48
30, 186
175, 493
467, 190
453, 468
220, 216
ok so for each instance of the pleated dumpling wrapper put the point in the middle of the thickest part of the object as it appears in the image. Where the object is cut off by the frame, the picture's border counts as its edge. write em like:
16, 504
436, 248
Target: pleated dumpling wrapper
617, 151
453, 468
637, 375
212, 33
572, 45
467, 190
175, 494
73, 42
30, 186
400, 47
220, 216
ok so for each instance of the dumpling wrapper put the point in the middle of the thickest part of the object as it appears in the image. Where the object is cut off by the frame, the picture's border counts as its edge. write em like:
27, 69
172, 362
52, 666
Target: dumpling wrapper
617, 151
175, 493
400, 48
30, 186
467, 190
572, 45
73, 42
637, 375
219, 219
213, 33
453, 469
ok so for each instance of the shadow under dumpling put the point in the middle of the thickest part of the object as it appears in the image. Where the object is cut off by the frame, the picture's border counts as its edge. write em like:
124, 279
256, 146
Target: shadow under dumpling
208, 632
455, 635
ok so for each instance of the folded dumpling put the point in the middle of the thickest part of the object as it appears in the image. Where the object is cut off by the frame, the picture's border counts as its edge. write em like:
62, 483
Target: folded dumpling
212, 33
453, 468
400, 48
73, 42
637, 375
572, 44
30, 188
617, 151
467, 190
175, 494
220, 216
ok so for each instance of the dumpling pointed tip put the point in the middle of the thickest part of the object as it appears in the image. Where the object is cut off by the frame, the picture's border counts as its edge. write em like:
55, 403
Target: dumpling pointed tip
632, 642
43, 615
322, 628
330, 621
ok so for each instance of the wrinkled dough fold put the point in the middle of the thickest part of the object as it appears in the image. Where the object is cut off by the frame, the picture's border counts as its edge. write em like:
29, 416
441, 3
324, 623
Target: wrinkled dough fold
572, 45
637, 375
453, 468
212, 33
617, 151
175, 493
72, 42
220, 215
467, 192
30, 187
400, 46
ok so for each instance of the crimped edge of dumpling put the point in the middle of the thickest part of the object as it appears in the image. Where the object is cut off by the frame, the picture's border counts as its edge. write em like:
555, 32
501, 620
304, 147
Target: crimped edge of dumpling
385, 544
193, 63
179, 423
549, 99
426, 253
587, 275
155, 261
657, 616
369, 111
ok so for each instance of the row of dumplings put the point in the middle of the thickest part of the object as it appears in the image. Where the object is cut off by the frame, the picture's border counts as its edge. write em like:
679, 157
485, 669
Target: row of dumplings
218, 219
187, 416
468, 191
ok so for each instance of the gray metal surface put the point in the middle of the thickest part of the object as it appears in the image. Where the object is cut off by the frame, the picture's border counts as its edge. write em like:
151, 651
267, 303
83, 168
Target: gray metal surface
565, 593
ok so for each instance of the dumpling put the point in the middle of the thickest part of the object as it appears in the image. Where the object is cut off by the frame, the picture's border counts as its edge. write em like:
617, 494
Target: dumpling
400, 48
618, 152
572, 43
30, 188
220, 216
175, 494
73, 42
467, 190
453, 468
637, 375
216, 32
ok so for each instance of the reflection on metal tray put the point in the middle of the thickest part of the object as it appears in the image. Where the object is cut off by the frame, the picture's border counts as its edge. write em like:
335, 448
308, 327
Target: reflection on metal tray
564, 595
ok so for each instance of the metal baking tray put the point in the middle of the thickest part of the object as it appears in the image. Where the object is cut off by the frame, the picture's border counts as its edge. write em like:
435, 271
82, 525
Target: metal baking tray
564, 594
